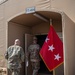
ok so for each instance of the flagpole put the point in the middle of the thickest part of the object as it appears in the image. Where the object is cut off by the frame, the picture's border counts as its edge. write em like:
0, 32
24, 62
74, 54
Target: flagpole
50, 21
51, 25
53, 72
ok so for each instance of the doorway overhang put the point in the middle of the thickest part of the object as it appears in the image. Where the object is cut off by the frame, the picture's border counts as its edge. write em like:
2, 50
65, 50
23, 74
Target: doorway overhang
31, 19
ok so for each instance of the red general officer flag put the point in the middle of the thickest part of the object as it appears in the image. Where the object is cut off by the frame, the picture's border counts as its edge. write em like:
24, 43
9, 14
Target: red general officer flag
52, 50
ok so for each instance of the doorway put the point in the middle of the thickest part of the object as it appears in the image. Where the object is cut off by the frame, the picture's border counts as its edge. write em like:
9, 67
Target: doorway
43, 69
30, 24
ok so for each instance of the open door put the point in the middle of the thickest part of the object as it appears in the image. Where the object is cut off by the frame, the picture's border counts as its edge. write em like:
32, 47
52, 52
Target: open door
28, 41
43, 69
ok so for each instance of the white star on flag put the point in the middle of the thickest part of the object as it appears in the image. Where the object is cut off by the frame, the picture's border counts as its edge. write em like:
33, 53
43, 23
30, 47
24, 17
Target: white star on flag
57, 57
47, 39
51, 48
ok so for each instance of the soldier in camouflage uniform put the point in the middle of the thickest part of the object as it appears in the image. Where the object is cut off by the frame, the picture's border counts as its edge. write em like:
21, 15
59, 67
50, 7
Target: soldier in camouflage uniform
33, 51
14, 56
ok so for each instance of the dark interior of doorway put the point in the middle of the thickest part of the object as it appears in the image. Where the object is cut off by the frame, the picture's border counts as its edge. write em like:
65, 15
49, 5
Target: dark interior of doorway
43, 69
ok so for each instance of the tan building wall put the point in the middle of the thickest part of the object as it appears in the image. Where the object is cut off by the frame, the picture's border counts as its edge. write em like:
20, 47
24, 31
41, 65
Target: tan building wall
66, 6
17, 31
13, 8
43, 28
2, 35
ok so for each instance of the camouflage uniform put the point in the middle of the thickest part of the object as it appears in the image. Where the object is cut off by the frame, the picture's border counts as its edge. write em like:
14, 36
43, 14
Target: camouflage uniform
34, 57
15, 57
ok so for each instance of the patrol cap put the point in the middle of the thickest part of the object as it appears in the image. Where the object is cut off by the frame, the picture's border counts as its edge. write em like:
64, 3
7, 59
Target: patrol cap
34, 38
